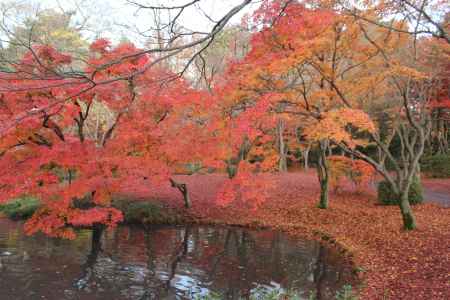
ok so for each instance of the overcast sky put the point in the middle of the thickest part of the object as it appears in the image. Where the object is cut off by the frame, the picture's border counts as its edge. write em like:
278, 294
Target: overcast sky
117, 18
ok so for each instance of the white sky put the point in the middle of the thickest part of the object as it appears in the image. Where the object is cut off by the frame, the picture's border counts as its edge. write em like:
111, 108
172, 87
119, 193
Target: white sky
115, 19
109, 16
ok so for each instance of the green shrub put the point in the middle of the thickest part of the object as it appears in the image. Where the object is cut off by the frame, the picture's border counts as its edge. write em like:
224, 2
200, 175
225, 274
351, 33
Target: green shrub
145, 212
193, 168
415, 194
387, 196
436, 166
20, 208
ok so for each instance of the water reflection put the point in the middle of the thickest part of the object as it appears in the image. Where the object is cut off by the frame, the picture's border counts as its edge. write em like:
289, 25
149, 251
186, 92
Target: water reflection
163, 263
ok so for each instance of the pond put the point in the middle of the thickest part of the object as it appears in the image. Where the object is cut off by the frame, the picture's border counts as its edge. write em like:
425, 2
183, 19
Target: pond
164, 262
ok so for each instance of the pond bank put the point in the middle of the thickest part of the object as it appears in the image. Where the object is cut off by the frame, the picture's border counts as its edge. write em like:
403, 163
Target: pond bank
391, 263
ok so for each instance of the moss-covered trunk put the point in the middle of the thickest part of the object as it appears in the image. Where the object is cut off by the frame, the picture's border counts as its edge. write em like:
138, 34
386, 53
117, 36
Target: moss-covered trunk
409, 221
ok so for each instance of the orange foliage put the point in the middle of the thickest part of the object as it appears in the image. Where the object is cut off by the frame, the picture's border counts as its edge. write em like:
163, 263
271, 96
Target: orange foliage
359, 172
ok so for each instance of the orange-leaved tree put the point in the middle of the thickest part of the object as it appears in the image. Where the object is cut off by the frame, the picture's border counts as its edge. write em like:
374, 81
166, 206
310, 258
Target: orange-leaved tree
295, 62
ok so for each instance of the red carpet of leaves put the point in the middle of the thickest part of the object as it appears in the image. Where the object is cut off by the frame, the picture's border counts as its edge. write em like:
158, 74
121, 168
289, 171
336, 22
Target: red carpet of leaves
395, 264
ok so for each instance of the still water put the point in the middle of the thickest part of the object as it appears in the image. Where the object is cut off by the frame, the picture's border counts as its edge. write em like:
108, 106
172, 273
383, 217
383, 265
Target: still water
164, 262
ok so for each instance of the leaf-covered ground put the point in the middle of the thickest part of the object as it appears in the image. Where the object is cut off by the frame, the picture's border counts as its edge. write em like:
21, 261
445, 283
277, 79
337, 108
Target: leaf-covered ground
392, 263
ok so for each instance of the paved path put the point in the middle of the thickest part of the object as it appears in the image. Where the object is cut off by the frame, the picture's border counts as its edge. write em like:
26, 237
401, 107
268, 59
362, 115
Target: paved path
438, 197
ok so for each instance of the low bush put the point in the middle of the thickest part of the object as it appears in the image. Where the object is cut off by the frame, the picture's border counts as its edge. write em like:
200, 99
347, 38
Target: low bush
134, 211
20, 208
146, 212
436, 166
387, 196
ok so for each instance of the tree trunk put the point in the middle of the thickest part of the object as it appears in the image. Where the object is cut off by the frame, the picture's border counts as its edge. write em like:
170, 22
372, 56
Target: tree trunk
282, 150
409, 221
97, 231
306, 157
182, 187
232, 165
233, 162
323, 194
70, 176
323, 173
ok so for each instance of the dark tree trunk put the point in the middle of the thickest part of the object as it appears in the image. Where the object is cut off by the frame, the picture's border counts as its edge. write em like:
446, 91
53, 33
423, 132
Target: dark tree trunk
81, 120
96, 245
182, 187
233, 163
323, 174
80, 128
70, 176
232, 166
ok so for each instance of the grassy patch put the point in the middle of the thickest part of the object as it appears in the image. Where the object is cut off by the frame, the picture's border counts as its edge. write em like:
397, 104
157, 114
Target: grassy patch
20, 208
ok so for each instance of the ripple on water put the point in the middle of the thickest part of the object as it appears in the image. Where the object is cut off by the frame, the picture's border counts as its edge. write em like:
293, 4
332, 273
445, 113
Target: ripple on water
164, 262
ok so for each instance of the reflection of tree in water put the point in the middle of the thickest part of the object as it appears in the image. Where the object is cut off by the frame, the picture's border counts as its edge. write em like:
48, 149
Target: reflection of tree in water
88, 274
179, 262
234, 260
319, 274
